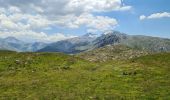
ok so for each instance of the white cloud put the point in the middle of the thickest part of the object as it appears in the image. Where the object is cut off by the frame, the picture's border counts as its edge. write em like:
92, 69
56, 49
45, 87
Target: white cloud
31, 36
142, 17
64, 7
98, 5
6, 23
27, 18
100, 23
156, 16
23, 26
32, 22
19, 21
38, 21
14, 9
125, 8
159, 15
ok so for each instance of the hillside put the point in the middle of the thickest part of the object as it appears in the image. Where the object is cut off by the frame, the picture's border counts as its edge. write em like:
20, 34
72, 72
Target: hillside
147, 43
58, 76
111, 52
152, 44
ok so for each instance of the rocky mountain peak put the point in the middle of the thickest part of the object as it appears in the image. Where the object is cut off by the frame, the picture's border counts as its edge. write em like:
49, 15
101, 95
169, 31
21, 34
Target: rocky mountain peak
91, 35
12, 40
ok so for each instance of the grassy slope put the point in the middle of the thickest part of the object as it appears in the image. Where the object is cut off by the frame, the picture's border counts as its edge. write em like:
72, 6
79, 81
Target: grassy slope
59, 76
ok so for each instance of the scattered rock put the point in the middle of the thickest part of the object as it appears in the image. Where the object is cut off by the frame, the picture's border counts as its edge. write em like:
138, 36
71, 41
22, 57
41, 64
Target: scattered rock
66, 68
17, 61
129, 73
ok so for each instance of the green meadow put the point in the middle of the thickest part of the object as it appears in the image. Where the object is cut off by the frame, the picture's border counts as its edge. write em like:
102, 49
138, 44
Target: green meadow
57, 76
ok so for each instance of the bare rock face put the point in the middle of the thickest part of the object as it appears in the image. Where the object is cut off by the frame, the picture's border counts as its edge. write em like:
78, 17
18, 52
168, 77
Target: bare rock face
108, 38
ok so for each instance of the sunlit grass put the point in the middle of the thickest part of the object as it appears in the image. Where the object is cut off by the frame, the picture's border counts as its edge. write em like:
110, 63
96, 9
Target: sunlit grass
60, 76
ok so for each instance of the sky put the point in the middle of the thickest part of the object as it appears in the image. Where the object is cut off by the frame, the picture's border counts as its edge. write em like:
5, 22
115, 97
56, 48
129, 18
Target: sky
54, 20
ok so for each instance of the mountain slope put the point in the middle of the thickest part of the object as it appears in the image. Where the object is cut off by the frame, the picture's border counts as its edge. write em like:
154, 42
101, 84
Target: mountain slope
73, 45
109, 37
111, 52
152, 44
10, 43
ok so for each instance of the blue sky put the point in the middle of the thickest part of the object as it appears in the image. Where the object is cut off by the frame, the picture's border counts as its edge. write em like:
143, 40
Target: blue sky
130, 23
54, 20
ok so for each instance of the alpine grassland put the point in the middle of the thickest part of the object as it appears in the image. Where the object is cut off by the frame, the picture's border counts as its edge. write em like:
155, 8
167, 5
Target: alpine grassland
57, 76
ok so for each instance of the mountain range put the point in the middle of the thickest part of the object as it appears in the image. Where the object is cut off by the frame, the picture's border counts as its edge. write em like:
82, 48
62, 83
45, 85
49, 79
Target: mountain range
73, 45
89, 42
14, 44
147, 43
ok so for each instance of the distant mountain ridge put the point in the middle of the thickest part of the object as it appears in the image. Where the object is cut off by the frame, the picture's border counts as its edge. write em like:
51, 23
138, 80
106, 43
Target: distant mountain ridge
84, 43
89, 42
71, 46
14, 44
12, 40
147, 43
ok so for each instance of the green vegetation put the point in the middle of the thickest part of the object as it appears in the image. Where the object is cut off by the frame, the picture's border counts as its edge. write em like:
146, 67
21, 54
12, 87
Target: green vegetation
48, 76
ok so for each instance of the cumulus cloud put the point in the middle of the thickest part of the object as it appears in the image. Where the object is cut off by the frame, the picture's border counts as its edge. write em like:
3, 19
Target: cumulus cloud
156, 16
24, 26
31, 36
63, 7
30, 17
19, 21
142, 17
96, 22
